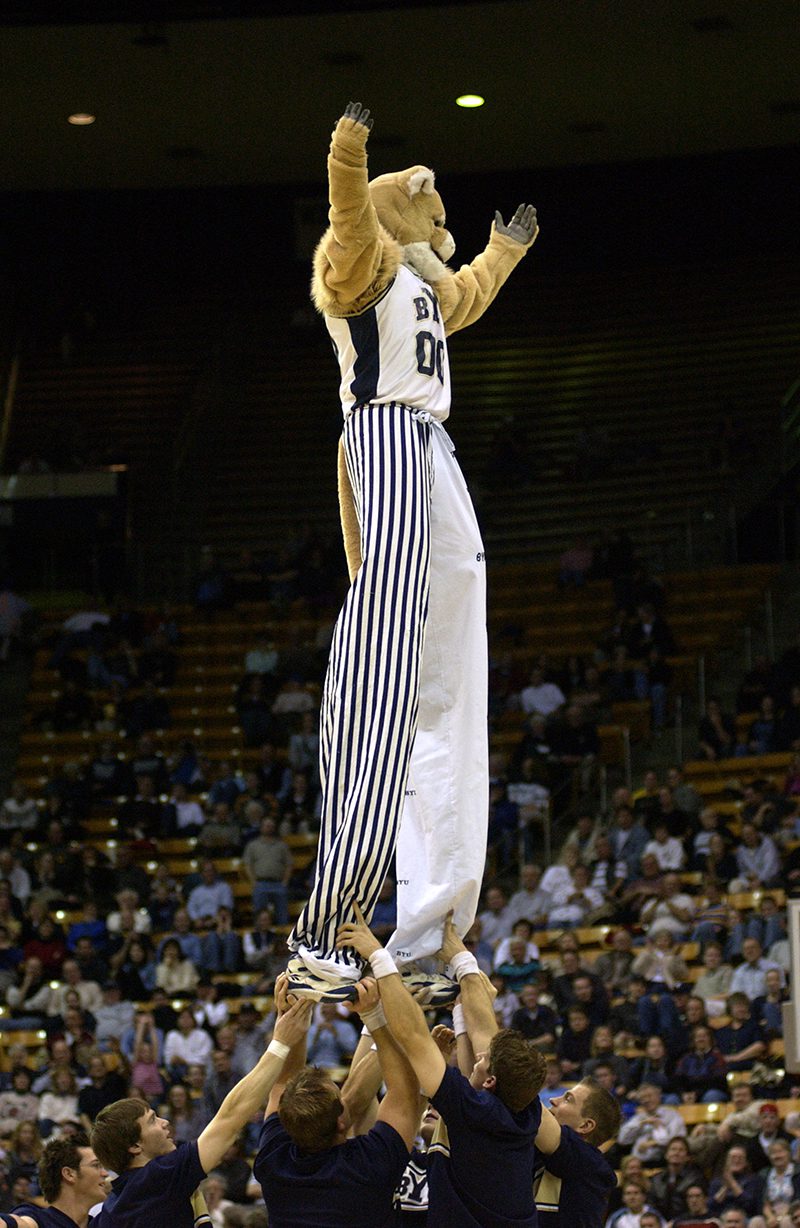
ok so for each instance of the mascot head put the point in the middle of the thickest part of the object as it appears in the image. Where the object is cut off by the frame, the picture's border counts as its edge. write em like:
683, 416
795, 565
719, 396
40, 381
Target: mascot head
411, 210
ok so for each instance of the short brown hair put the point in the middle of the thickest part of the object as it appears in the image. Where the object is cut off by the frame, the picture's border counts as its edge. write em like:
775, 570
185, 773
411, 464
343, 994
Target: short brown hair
309, 1110
518, 1067
59, 1153
116, 1129
604, 1110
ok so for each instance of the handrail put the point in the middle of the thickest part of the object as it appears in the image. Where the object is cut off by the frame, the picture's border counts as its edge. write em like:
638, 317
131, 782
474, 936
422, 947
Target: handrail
8, 407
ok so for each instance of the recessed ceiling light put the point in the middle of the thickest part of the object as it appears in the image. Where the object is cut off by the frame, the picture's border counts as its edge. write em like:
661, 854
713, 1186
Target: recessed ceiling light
81, 119
469, 100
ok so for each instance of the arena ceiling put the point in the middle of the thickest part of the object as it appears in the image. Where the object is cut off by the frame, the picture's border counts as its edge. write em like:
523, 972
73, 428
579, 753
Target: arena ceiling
213, 93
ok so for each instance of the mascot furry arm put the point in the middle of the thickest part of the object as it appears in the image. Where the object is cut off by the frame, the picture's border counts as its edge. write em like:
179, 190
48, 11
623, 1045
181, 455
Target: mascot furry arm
398, 219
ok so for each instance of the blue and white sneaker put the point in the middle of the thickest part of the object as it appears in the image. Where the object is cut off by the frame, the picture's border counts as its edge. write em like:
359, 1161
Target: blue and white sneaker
430, 988
304, 983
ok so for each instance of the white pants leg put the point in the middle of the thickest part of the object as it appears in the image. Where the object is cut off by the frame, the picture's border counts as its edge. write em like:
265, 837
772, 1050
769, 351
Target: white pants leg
441, 851
371, 695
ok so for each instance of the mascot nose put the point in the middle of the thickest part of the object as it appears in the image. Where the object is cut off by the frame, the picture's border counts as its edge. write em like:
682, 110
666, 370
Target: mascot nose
447, 246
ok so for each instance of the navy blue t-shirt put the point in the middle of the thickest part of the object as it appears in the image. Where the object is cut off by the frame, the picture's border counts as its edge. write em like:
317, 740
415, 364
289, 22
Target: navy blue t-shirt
352, 1183
733, 1040
479, 1176
573, 1184
48, 1217
161, 1192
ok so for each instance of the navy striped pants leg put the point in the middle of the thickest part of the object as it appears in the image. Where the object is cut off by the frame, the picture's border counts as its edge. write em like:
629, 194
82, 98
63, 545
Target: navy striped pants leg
371, 695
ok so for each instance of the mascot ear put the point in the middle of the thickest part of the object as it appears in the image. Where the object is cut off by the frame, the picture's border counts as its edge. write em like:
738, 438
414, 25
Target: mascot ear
420, 181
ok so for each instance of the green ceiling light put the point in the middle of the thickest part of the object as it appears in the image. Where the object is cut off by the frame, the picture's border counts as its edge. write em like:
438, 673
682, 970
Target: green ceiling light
81, 119
469, 101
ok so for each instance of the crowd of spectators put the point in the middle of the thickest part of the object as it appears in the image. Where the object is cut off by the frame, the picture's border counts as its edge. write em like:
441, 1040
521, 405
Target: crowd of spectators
140, 976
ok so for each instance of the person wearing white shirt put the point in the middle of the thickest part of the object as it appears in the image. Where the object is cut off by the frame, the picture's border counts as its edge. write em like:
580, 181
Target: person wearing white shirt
573, 902
541, 697
530, 902
667, 850
213, 893
495, 919
187, 1045
651, 1127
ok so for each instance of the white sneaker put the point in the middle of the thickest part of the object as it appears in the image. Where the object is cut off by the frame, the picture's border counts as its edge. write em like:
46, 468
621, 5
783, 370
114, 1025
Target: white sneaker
304, 983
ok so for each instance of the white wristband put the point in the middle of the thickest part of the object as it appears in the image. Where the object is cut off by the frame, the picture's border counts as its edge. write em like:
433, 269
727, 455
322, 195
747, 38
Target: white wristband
459, 1026
374, 1019
382, 964
463, 964
279, 1049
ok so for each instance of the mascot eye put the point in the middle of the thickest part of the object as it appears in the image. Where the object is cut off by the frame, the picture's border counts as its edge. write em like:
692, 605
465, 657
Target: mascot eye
438, 221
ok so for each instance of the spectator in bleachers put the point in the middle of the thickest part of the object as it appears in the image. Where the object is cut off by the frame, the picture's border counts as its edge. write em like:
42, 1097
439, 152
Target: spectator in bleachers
701, 1074
668, 1188
210, 1011
58, 1104
148, 761
303, 753
750, 978
656, 1068
517, 969
221, 946
603, 1054
226, 785
292, 700
530, 901
249, 1041
255, 711
331, 1040
781, 1186
741, 1041
714, 983
574, 1045
563, 985
89, 992
762, 736
575, 747
767, 1008
189, 816
221, 834
540, 696
185, 1045
614, 967
11, 956
721, 862
135, 969
210, 894
128, 875
274, 775
667, 850
267, 862
684, 794
262, 658
144, 815
73, 710
624, 1014
737, 1187
113, 1016
297, 815
757, 860
188, 942
645, 799
495, 919
219, 1081
716, 733
175, 974
649, 630
10, 909
128, 917
635, 1209
672, 910
104, 1087
663, 969
589, 992
92, 965
23, 1154
574, 901
18, 1103
652, 1126
534, 1020
628, 836
252, 790
647, 887
45, 941
259, 945
187, 1120
18, 812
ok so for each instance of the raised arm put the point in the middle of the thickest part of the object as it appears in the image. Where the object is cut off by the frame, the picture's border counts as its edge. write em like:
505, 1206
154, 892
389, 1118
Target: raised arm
247, 1097
476, 1002
466, 294
349, 257
404, 1017
295, 1059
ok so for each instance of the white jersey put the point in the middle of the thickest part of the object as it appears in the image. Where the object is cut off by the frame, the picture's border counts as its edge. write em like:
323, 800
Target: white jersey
395, 350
